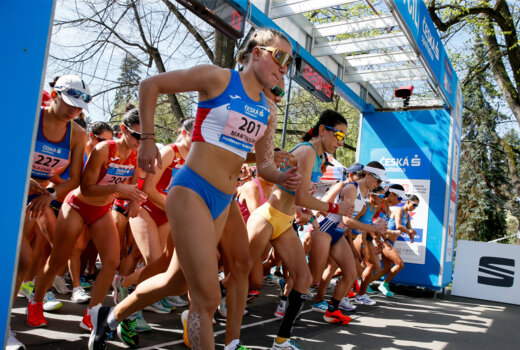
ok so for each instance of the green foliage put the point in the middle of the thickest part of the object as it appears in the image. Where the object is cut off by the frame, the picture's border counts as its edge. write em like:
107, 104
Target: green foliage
304, 111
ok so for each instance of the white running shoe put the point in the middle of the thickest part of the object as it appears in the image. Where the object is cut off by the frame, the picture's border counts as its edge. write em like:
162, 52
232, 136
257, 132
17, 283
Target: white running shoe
79, 296
288, 344
50, 303
177, 301
280, 309
364, 299
12, 342
60, 286
158, 308
346, 305
222, 309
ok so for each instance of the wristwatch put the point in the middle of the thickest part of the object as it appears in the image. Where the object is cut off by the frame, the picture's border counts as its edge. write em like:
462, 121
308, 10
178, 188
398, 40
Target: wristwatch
52, 191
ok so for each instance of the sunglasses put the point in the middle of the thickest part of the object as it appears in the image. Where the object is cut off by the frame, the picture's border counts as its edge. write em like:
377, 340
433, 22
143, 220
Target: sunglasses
136, 135
415, 205
100, 139
382, 196
80, 95
281, 57
379, 181
278, 91
340, 135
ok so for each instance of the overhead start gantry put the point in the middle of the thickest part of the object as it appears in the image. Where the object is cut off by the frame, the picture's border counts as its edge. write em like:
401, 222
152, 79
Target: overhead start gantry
387, 60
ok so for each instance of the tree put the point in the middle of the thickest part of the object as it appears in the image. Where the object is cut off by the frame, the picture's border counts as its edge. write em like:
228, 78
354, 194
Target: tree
127, 91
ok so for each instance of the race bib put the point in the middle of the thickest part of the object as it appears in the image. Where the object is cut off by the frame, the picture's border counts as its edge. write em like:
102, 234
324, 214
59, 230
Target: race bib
48, 160
245, 125
117, 174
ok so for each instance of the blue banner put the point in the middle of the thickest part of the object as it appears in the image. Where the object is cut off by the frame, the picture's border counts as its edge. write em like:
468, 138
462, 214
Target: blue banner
404, 163
420, 25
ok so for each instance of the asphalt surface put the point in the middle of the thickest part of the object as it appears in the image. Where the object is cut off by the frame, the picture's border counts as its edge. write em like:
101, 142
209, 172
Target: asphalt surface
413, 319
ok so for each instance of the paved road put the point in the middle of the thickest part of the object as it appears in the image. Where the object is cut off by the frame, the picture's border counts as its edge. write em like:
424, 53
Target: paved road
411, 320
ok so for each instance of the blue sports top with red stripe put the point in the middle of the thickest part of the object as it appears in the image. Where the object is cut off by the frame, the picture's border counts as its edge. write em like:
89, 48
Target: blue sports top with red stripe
50, 157
232, 121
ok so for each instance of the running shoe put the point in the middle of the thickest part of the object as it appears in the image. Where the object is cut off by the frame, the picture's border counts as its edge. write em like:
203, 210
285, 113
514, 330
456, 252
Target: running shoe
140, 323
126, 332
26, 289
351, 294
50, 303
322, 306
35, 316
12, 342
79, 296
280, 309
370, 290
60, 286
120, 292
356, 286
269, 280
222, 309
252, 294
336, 317
177, 301
158, 308
84, 284
385, 289
240, 347
100, 330
86, 322
346, 305
308, 296
184, 319
167, 304
364, 299
288, 344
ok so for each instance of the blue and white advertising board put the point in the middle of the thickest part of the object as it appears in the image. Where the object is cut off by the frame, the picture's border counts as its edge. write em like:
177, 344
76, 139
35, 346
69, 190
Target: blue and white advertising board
414, 147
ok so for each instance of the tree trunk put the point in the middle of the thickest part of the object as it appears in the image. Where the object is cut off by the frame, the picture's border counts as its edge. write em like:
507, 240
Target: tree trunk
224, 50
172, 99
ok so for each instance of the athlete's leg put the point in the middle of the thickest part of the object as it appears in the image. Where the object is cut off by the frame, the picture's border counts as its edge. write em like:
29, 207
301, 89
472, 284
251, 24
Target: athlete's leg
387, 263
319, 253
398, 264
196, 236
326, 277
68, 227
343, 256
104, 235
75, 258
372, 265
237, 263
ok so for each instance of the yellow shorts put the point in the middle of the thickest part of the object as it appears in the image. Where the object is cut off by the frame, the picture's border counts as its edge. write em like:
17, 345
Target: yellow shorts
281, 222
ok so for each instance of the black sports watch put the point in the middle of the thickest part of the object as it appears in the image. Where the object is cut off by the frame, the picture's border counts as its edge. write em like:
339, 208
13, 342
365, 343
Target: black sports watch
52, 191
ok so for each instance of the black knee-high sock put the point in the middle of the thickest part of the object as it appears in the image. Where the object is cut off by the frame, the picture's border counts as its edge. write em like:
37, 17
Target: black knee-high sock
294, 306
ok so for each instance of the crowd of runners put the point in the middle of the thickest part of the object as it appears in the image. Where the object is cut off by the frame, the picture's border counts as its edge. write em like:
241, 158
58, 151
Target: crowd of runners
169, 224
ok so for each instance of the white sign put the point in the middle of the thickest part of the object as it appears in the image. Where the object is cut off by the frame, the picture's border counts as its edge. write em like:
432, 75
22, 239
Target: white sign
415, 253
488, 271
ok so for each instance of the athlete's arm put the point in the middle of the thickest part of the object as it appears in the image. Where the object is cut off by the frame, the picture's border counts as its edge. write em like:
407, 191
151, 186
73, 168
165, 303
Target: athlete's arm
208, 80
348, 196
78, 143
89, 186
331, 195
289, 179
151, 180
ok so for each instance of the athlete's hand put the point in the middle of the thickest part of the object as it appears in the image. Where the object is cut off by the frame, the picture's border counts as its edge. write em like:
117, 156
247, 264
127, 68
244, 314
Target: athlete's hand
412, 236
380, 226
290, 180
131, 192
133, 208
147, 155
303, 215
284, 159
35, 187
345, 209
38, 205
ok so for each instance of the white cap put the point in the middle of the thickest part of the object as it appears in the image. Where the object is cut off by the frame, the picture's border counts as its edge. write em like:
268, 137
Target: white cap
399, 193
66, 82
380, 173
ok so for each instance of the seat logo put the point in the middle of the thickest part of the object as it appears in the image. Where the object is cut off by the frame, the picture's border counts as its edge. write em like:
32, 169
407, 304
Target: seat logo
494, 266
